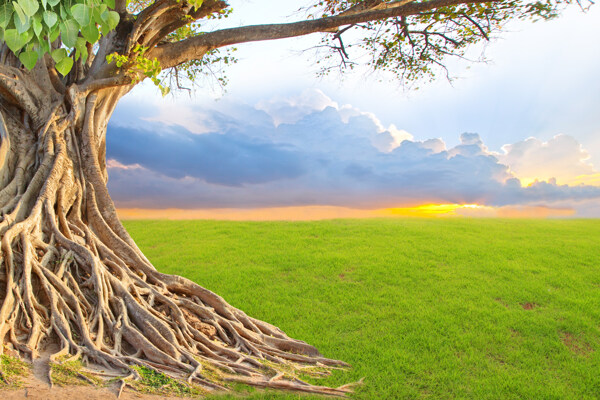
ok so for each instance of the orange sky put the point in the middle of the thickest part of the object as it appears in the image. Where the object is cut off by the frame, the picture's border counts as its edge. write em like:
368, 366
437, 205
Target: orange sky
307, 213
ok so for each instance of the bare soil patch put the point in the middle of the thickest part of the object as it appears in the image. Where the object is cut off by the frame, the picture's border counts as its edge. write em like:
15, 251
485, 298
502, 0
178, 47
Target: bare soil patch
576, 345
500, 301
529, 306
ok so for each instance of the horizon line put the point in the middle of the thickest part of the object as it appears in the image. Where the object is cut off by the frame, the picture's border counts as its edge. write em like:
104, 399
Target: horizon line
324, 212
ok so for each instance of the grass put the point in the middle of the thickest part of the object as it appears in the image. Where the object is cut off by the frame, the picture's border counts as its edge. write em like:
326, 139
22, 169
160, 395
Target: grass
157, 383
71, 373
422, 308
11, 371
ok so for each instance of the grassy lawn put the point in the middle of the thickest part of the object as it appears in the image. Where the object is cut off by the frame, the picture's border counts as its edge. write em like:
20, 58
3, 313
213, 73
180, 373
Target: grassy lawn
422, 308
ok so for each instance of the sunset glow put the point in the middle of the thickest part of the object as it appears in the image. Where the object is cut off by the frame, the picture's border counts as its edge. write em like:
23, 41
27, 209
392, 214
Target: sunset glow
431, 210
592, 179
310, 213
585, 179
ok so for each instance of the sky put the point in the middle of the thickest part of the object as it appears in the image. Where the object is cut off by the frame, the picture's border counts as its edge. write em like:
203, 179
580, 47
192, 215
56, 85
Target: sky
519, 135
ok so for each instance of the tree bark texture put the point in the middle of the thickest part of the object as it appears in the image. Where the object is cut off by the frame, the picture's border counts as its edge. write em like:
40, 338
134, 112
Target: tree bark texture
71, 274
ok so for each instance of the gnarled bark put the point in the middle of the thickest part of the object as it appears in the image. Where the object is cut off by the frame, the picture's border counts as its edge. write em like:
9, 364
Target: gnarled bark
69, 271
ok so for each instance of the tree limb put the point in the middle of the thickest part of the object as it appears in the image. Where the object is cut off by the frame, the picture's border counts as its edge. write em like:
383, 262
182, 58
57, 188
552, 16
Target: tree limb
120, 6
179, 20
483, 32
173, 54
118, 80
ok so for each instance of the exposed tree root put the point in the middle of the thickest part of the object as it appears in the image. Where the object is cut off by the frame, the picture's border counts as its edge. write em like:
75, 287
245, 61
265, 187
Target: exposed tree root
71, 273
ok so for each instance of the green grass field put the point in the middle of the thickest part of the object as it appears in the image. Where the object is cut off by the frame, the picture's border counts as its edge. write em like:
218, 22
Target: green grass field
422, 308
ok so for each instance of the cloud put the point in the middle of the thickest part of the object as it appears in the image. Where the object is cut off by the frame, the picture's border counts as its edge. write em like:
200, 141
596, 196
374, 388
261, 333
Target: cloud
293, 108
326, 155
561, 158
298, 112
229, 160
516, 212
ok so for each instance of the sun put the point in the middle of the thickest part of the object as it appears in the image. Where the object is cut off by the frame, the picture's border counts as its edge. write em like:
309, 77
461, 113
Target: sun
431, 210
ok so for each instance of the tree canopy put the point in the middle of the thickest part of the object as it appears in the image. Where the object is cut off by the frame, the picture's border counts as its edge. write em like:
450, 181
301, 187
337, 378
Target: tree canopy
144, 38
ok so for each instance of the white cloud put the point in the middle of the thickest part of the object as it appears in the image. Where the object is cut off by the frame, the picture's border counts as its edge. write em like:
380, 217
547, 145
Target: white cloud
291, 109
174, 114
390, 139
115, 165
561, 158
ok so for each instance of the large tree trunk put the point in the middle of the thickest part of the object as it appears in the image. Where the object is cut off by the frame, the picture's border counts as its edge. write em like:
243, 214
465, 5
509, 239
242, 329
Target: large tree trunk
70, 273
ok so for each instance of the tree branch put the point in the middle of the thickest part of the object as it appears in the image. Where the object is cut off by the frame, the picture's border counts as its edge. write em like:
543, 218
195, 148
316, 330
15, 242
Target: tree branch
483, 32
179, 20
119, 80
120, 6
173, 54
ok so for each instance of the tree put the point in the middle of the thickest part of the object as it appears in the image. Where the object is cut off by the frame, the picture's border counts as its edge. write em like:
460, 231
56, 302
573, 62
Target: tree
70, 271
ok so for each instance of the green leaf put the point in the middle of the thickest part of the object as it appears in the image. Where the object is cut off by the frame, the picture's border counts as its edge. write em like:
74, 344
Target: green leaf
53, 2
36, 22
196, 3
29, 7
98, 12
22, 26
113, 19
64, 66
15, 40
164, 90
20, 14
50, 18
44, 48
54, 33
29, 59
59, 54
69, 31
82, 14
110, 3
104, 29
81, 49
90, 33
6, 13
64, 13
